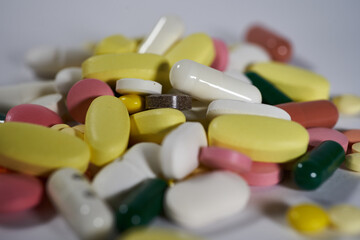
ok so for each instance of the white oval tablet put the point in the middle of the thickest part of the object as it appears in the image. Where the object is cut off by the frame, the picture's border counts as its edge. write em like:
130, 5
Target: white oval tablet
66, 78
55, 102
79, 204
180, 150
221, 107
206, 198
243, 54
166, 32
137, 86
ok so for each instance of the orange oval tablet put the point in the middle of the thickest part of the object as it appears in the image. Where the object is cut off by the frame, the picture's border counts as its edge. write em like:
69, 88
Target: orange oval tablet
353, 136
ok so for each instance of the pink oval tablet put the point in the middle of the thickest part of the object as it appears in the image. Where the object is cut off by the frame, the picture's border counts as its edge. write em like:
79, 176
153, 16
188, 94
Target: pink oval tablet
223, 158
32, 113
263, 174
19, 192
221, 55
319, 135
82, 93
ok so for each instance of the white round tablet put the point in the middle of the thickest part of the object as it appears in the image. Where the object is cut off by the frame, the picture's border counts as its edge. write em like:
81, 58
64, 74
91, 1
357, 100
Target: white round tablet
137, 86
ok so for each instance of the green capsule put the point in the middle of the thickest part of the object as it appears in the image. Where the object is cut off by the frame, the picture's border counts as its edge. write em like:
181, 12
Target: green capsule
141, 205
270, 94
315, 167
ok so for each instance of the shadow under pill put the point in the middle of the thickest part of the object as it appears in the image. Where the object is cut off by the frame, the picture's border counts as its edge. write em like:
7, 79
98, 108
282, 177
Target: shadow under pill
275, 210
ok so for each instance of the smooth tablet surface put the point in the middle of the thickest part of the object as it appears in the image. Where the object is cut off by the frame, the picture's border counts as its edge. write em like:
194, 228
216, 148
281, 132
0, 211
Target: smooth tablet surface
177, 101
153, 125
19, 192
304, 85
107, 129
221, 55
134, 103
263, 139
225, 159
307, 218
180, 150
197, 47
319, 135
66, 78
115, 44
352, 161
221, 107
137, 86
214, 196
82, 94
21, 144
347, 104
263, 174
156, 234
55, 102
345, 218
33, 113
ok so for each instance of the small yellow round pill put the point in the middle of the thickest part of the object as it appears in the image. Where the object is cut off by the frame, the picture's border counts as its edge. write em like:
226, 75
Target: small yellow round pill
308, 218
345, 218
352, 162
356, 148
156, 234
134, 103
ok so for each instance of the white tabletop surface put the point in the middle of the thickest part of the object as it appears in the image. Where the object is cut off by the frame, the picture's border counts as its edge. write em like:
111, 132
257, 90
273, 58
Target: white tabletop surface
325, 35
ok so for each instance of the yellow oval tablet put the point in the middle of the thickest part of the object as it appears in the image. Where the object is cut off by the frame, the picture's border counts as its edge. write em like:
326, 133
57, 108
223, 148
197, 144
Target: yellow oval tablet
347, 104
153, 125
299, 84
134, 103
37, 150
156, 234
352, 161
345, 218
107, 128
115, 44
198, 47
112, 67
263, 139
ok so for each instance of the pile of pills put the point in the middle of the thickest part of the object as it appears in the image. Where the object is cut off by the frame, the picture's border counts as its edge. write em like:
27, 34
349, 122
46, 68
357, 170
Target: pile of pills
181, 126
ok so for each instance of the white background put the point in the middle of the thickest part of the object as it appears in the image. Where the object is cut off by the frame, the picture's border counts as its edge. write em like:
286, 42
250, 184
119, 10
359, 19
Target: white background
325, 35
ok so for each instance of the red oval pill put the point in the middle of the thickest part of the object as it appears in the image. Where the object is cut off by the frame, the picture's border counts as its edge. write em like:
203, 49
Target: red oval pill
32, 113
221, 55
277, 46
81, 95
19, 192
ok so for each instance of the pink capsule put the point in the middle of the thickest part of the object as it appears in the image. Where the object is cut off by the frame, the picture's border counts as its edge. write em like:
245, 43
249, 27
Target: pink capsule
221, 55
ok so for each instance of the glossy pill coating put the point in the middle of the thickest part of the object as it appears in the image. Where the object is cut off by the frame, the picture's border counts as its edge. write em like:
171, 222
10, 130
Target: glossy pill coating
353, 135
156, 234
319, 135
345, 218
316, 166
166, 32
82, 94
78, 203
176, 101
137, 86
107, 129
153, 125
112, 67
33, 113
21, 144
214, 197
352, 161
54, 102
263, 174
321, 113
13, 95
66, 78
277, 46
270, 94
222, 106
208, 84
244, 54
347, 104
221, 55
355, 148
263, 139
307, 218
298, 84
19, 192
197, 47
134, 103
180, 150
224, 159
115, 44
141, 205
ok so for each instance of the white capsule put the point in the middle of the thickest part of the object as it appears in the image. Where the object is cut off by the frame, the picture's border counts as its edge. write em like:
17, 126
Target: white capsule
79, 204
66, 78
221, 107
13, 95
55, 102
137, 86
208, 84
165, 33
46, 61
244, 54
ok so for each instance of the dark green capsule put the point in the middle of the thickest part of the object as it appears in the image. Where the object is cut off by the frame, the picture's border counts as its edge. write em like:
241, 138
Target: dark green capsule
2, 117
270, 94
317, 166
141, 205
